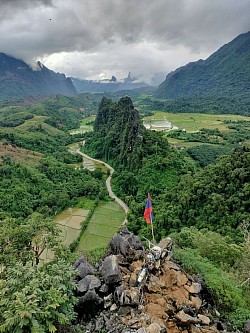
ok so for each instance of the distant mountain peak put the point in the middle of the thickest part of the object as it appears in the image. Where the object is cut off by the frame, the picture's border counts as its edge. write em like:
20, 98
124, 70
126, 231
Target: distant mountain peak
39, 65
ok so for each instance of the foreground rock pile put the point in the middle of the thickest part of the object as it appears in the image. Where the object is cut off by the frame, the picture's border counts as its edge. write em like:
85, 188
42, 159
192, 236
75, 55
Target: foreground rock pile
167, 300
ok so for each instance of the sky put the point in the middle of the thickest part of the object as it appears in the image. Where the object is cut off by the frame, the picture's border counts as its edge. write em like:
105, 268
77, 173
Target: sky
95, 39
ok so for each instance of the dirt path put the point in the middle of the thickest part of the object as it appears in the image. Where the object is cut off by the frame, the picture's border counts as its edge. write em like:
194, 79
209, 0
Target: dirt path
108, 182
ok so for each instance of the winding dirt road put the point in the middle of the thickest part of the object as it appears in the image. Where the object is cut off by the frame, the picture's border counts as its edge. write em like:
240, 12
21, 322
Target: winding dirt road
108, 182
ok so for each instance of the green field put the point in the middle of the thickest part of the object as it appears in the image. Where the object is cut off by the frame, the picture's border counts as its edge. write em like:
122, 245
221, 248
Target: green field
192, 122
70, 222
105, 221
84, 127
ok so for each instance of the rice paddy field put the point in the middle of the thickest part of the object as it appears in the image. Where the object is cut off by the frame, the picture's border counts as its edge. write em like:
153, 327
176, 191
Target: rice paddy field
70, 222
191, 122
106, 220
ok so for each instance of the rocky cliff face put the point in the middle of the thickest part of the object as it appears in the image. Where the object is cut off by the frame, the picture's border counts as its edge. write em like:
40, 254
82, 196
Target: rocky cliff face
17, 80
164, 299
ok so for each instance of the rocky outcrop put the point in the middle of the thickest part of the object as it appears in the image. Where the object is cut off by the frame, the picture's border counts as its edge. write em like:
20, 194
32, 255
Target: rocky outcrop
165, 300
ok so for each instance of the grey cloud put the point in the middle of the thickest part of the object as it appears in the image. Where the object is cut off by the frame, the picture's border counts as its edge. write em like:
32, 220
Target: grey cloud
37, 28
25, 3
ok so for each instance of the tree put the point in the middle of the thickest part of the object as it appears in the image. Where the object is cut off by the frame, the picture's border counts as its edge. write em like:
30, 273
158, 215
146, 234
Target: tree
34, 300
26, 242
244, 263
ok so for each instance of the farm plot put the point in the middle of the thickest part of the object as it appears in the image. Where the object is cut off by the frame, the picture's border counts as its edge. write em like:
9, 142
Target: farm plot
191, 122
105, 221
69, 223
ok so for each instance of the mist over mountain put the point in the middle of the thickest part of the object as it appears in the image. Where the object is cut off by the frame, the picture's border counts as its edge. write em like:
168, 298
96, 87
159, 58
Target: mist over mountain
18, 79
111, 85
225, 73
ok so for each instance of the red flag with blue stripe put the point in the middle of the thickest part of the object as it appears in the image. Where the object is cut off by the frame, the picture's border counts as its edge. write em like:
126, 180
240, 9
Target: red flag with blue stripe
148, 212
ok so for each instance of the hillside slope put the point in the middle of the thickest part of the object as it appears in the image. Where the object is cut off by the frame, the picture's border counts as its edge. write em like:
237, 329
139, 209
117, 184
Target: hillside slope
18, 79
225, 73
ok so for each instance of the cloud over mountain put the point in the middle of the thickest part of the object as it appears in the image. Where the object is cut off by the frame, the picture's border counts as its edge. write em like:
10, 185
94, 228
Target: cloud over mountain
163, 34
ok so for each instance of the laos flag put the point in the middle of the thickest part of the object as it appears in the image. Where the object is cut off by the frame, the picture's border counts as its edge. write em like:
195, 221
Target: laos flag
148, 212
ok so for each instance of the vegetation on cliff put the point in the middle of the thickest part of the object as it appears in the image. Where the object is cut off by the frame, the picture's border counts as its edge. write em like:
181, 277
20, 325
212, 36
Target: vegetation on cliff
224, 73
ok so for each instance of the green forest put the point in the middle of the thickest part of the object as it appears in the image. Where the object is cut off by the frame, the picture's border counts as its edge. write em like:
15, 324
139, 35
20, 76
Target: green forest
201, 200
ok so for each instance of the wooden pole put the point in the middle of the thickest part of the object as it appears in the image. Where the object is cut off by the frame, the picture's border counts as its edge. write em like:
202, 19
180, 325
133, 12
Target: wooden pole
152, 229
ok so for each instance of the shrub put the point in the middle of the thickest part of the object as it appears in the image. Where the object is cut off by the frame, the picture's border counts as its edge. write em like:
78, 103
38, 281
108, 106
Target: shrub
231, 298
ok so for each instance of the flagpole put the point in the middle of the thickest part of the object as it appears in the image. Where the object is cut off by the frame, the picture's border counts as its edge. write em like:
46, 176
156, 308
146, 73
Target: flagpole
152, 229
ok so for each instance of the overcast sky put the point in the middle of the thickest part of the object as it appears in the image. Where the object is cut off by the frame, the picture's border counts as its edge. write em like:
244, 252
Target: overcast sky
100, 38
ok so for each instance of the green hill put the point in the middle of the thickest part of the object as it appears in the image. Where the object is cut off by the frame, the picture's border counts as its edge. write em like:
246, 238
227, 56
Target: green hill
225, 73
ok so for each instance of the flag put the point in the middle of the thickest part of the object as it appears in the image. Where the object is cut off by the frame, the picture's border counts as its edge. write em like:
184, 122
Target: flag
148, 212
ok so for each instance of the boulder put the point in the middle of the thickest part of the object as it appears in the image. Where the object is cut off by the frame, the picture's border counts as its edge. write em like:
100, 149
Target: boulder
130, 296
79, 261
156, 310
135, 242
166, 243
125, 243
90, 302
247, 326
154, 328
195, 288
196, 301
119, 245
84, 269
186, 318
110, 270
204, 319
87, 283
104, 289
181, 278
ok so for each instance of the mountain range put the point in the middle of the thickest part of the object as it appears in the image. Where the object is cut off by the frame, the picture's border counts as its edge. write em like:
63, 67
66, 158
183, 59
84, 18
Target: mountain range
225, 73
18, 79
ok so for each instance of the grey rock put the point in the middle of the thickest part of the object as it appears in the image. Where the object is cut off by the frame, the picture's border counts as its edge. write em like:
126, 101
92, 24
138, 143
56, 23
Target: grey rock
113, 307
110, 270
79, 261
87, 283
119, 245
91, 298
247, 326
125, 243
124, 310
124, 231
108, 301
104, 289
135, 242
94, 282
85, 269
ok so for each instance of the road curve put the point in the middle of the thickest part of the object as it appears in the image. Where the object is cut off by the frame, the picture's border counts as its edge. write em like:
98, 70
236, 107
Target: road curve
108, 182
